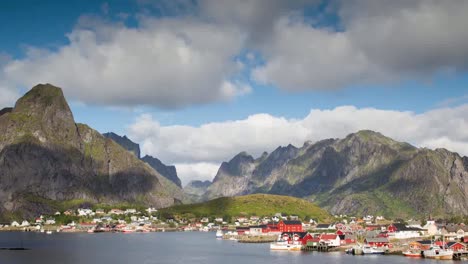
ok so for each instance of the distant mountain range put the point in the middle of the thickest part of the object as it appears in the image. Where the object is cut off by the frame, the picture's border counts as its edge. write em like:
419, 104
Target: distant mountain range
364, 173
47, 160
169, 172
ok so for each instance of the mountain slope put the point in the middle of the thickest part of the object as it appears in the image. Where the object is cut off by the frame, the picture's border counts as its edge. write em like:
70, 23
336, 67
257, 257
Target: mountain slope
364, 173
167, 171
254, 204
44, 155
195, 190
125, 142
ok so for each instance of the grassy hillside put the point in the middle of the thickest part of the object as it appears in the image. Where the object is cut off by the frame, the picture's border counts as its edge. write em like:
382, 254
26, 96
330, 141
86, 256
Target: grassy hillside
255, 204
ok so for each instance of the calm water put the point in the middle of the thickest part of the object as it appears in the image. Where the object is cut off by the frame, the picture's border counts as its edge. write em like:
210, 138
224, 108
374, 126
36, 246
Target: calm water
191, 247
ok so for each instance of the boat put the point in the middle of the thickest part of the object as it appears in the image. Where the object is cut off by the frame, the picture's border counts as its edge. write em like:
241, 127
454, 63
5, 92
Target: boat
128, 230
412, 253
48, 232
436, 252
366, 250
284, 245
219, 234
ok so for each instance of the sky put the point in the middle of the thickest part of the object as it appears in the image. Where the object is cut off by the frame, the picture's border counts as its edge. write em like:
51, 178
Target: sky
195, 82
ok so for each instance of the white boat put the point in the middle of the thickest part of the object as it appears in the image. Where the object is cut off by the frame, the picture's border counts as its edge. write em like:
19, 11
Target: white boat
219, 234
436, 252
48, 232
285, 246
366, 249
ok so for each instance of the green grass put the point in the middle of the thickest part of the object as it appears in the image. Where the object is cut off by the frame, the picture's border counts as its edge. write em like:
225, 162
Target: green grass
255, 204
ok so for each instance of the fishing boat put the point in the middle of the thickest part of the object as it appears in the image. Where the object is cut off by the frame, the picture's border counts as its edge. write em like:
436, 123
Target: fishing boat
436, 252
366, 250
412, 253
219, 234
285, 246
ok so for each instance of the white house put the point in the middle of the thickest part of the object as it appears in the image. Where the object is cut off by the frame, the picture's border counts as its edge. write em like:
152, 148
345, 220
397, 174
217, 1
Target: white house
15, 224
85, 212
25, 223
332, 240
130, 211
50, 221
151, 210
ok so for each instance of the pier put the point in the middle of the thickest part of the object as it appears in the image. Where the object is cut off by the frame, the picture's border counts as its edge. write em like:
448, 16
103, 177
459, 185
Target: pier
460, 255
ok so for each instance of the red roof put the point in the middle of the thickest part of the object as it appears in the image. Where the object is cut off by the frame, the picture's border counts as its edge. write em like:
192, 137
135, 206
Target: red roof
328, 236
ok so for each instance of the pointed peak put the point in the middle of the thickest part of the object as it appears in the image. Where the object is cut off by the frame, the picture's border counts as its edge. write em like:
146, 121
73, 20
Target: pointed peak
42, 96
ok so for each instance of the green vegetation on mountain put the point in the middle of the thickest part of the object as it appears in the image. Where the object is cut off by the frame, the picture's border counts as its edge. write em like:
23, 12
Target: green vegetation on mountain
363, 173
48, 162
249, 205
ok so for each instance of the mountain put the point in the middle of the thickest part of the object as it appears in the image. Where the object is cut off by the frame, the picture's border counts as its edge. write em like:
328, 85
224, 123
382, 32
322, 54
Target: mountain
363, 173
167, 171
195, 190
254, 204
46, 159
125, 143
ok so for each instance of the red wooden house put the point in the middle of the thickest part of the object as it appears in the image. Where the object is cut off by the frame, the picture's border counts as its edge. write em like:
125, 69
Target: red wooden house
377, 241
290, 226
456, 246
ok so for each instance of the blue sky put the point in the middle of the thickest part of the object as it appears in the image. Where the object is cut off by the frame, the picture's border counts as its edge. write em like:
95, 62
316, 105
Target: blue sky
146, 68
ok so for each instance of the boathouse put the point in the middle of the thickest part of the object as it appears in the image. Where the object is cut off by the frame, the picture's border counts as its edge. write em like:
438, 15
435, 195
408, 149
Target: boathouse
456, 246
377, 241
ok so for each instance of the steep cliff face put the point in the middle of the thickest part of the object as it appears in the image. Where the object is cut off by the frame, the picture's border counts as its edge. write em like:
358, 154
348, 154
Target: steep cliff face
45, 156
125, 142
365, 172
167, 171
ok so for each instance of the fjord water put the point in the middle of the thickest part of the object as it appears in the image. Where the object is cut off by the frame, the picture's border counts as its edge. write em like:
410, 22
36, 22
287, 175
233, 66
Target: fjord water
146, 248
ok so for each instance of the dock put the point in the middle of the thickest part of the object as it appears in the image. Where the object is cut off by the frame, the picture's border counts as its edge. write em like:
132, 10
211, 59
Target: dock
460, 255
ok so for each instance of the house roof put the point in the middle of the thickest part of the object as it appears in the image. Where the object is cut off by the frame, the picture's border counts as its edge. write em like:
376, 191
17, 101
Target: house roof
300, 234
292, 222
323, 226
328, 236
403, 227
376, 240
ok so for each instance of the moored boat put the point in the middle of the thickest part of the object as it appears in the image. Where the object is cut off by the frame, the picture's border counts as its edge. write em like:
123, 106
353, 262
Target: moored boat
436, 252
366, 249
219, 234
285, 246
412, 254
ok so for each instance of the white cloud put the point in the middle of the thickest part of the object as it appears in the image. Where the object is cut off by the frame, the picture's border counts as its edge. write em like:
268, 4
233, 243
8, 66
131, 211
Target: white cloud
200, 171
213, 143
7, 97
381, 42
165, 62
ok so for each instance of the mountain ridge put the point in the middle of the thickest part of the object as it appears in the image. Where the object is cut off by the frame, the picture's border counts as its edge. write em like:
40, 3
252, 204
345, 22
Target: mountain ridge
365, 172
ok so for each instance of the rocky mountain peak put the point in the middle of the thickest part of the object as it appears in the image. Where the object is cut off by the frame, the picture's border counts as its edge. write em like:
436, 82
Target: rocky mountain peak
41, 114
43, 97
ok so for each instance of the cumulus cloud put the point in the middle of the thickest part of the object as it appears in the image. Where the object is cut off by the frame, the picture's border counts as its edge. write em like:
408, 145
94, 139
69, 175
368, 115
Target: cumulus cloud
381, 41
165, 62
199, 171
213, 143
187, 55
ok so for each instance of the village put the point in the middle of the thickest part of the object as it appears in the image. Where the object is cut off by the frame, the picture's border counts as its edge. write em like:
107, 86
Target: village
349, 234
